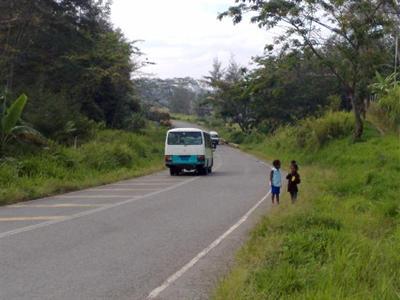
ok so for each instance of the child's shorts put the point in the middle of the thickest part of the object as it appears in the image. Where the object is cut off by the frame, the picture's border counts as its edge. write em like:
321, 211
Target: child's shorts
275, 190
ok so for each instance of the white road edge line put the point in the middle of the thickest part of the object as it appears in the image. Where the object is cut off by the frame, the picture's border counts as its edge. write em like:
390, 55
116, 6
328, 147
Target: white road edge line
170, 280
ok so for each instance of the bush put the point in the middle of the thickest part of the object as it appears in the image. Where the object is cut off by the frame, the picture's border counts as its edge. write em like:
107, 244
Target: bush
390, 104
237, 137
158, 114
331, 126
110, 156
76, 131
254, 138
313, 133
377, 116
385, 113
135, 123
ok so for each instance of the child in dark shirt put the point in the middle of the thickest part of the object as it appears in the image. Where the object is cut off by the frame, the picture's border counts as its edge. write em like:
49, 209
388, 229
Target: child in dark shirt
293, 180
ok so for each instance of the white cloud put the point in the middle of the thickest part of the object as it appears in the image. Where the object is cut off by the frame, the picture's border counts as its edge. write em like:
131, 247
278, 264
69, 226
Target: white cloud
183, 36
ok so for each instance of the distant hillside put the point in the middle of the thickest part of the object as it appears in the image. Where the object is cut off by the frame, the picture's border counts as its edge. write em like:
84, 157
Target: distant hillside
180, 95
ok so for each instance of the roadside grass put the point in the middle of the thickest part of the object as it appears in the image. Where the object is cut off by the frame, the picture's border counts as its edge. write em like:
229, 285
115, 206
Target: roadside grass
185, 118
111, 156
341, 240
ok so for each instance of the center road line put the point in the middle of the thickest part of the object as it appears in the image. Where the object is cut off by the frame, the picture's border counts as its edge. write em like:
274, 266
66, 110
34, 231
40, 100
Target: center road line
40, 218
120, 189
170, 280
59, 205
91, 196
140, 183
96, 210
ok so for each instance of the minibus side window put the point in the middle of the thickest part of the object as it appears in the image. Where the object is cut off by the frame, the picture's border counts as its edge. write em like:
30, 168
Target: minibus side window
207, 138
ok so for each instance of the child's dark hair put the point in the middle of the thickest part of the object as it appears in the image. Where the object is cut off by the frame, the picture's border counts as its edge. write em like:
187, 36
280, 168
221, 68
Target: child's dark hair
295, 165
276, 163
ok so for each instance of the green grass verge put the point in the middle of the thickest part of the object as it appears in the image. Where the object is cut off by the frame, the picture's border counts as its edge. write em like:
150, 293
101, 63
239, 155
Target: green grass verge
113, 155
185, 118
341, 240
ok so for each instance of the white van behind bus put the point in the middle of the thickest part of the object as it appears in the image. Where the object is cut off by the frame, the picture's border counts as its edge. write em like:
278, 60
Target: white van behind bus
188, 149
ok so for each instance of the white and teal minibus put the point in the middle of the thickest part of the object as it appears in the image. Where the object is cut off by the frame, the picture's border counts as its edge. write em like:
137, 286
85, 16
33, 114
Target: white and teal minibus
188, 149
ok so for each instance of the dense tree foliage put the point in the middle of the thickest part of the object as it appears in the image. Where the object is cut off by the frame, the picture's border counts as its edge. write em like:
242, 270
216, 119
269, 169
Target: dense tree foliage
281, 90
70, 61
349, 37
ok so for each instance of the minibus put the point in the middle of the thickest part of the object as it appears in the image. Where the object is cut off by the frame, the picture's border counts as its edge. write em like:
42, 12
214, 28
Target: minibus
188, 149
214, 138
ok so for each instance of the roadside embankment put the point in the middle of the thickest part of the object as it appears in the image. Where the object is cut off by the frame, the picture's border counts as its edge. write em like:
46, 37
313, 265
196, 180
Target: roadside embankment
341, 239
111, 156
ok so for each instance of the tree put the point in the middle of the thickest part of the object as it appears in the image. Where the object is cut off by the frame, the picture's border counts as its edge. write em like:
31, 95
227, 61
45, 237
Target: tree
67, 52
216, 74
181, 101
352, 29
9, 119
290, 87
232, 97
281, 90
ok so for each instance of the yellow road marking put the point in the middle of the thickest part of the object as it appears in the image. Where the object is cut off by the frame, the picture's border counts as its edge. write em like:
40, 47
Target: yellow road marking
141, 183
41, 218
60, 205
120, 189
91, 196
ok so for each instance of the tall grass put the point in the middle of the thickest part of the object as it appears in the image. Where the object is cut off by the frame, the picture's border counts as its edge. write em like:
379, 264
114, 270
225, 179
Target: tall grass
342, 239
385, 113
111, 156
390, 104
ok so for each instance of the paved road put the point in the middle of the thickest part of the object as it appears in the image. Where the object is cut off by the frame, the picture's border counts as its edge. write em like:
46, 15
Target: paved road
167, 237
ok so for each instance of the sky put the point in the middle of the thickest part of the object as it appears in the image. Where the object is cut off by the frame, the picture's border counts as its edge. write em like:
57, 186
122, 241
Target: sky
182, 37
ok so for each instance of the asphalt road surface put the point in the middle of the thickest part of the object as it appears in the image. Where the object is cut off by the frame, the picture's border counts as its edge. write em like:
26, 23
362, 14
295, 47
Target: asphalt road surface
153, 237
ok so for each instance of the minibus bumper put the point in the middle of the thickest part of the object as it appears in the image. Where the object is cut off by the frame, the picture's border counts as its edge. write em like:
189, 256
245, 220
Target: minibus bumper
188, 162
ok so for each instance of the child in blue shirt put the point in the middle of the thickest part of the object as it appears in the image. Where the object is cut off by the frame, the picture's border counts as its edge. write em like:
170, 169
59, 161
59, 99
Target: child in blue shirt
276, 181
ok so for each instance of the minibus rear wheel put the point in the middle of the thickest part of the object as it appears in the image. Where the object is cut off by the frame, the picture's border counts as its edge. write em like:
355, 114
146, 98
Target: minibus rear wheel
202, 170
173, 171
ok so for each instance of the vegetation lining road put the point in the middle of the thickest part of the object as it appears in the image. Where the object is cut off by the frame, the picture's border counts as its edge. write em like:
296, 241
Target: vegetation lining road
341, 240
111, 156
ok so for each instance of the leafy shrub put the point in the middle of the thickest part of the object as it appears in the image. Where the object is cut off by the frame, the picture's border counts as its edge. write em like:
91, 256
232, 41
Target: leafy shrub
334, 103
158, 114
331, 126
312, 133
254, 138
79, 130
268, 126
136, 122
390, 104
385, 114
237, 137
110, 156
166, 123
8, 171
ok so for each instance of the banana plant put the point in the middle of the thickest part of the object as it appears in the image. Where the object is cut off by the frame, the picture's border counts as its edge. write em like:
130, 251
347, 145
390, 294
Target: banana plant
383, 85
10, 123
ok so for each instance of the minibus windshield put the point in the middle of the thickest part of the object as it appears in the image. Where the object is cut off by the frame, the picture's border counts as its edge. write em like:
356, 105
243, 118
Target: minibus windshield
185, 138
